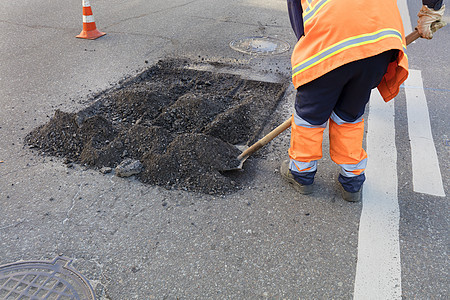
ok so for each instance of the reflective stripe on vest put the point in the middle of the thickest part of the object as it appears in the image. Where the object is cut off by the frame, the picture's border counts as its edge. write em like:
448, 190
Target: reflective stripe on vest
343, 45
312, 11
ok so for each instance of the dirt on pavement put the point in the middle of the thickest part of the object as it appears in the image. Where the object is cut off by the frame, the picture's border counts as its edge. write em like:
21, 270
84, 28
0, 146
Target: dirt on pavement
180, 123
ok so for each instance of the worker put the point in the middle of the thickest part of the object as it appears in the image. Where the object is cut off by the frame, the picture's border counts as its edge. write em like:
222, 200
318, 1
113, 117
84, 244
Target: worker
345, 49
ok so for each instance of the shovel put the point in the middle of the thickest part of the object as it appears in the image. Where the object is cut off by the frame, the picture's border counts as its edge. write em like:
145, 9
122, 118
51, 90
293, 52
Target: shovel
286, 124
261, 143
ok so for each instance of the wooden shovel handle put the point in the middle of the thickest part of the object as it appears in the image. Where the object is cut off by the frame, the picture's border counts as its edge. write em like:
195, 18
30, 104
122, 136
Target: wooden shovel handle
412, 37
435, 26
266, 139
286, 124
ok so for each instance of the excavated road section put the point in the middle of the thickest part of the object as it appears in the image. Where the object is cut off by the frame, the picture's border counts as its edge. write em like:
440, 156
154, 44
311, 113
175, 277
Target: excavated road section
178, 122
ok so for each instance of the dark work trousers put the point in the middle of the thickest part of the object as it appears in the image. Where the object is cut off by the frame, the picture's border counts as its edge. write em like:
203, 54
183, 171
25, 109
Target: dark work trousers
344, 91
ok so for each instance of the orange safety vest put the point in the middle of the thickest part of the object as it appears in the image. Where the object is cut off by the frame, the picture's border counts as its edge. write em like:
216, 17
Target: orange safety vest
338, 32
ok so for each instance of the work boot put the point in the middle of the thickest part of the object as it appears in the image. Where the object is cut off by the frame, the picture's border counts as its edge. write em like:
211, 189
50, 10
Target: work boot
351, 197
286, 174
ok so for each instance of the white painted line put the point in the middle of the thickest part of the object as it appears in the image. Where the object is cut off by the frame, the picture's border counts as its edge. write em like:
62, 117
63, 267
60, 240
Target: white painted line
378, 270
426, 173
404, 13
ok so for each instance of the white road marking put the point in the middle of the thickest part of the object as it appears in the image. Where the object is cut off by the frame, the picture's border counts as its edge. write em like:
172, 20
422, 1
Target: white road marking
378, 271
427, 177
404, 13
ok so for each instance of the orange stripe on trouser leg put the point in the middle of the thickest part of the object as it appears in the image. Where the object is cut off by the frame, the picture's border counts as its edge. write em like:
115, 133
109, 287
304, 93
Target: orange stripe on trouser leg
346, 142
306, 143
304, 170
358, 172
301, 170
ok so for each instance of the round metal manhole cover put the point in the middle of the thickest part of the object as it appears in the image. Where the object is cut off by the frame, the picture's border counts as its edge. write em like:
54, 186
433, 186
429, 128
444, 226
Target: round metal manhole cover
44, 280
259, 45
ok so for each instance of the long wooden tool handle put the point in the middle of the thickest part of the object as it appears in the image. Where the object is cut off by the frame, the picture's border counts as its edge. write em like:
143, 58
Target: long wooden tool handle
435, 26
412, 37
266, 139
286, 124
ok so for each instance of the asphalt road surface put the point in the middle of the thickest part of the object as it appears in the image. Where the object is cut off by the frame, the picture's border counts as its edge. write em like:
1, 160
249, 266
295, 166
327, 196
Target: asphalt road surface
134, 241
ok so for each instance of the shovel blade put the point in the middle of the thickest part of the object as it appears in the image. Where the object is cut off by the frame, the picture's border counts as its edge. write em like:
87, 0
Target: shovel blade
238, 163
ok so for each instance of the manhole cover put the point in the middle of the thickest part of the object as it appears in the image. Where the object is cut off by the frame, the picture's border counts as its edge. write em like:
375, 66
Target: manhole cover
43, 280
260, 45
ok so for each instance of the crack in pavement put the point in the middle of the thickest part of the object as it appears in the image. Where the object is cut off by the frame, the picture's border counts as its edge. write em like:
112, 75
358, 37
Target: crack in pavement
72, 205
20, 221
150, 13
227, 20
105, 27
36, 26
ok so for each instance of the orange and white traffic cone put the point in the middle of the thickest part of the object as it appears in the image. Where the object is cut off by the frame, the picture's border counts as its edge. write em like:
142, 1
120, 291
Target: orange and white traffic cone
89, 31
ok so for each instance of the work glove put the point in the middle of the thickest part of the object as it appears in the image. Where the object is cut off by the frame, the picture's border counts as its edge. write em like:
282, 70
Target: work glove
429, 21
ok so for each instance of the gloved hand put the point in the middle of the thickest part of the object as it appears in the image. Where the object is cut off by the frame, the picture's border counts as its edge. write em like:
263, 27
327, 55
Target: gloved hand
427, 17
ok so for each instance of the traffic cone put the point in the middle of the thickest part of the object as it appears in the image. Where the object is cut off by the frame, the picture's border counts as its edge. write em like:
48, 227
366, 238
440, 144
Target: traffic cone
89, 31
